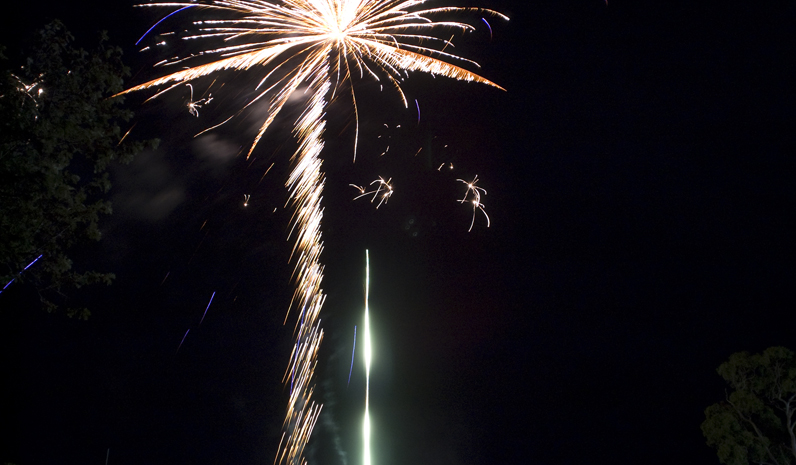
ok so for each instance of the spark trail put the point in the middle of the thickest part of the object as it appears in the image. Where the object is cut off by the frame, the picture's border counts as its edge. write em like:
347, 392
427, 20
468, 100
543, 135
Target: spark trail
297, 43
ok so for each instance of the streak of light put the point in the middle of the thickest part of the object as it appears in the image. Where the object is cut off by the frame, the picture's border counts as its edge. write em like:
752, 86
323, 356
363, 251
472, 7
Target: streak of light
266, 172
418, 111
246, 199
23, 270
353, 351
161, 20
208, 306
183, 339
125, 134
490, 27
368, 356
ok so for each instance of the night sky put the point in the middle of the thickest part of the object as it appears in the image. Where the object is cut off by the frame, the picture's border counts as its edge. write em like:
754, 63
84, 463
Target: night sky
641, 188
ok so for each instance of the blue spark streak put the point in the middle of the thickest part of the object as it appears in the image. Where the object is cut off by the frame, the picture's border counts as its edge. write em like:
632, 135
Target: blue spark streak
183, 340
24, 269
352, 355
208, 306
490, 28
161, 20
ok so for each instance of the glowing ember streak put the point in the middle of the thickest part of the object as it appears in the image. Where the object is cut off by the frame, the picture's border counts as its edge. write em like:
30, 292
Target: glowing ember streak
313, 43
366, 427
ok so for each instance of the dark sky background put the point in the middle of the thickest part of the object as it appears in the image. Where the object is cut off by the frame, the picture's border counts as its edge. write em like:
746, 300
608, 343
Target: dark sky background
640, 174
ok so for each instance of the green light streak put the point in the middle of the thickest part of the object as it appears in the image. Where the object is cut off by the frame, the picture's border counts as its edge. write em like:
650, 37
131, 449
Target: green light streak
366, 428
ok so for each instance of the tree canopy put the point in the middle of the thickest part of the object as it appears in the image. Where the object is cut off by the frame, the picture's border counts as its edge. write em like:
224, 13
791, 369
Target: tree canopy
59, 132
756, 422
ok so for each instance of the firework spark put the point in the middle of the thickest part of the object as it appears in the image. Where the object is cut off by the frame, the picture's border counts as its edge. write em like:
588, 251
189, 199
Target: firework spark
383, 191
194, 106
473, 196
314, 43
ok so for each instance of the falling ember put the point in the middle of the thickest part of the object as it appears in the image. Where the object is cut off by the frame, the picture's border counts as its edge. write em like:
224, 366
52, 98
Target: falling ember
313, 43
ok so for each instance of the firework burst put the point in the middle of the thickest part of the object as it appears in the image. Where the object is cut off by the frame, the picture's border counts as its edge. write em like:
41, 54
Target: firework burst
473, 197
383, 191
320, 44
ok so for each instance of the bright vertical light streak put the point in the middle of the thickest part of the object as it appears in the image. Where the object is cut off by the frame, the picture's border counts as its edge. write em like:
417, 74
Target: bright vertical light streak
366, 428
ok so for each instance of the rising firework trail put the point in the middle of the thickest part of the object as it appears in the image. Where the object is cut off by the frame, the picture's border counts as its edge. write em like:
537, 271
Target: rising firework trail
319, 45
366, 426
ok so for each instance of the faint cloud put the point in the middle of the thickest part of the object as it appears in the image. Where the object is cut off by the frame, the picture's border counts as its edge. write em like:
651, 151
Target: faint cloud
146, 189
215, 151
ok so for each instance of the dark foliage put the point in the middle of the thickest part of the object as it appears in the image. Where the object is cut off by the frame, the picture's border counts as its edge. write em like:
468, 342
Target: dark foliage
756, 423
59, 132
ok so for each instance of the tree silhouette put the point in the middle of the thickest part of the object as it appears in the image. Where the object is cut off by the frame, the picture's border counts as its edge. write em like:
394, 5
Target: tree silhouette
59, 132
756, 423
